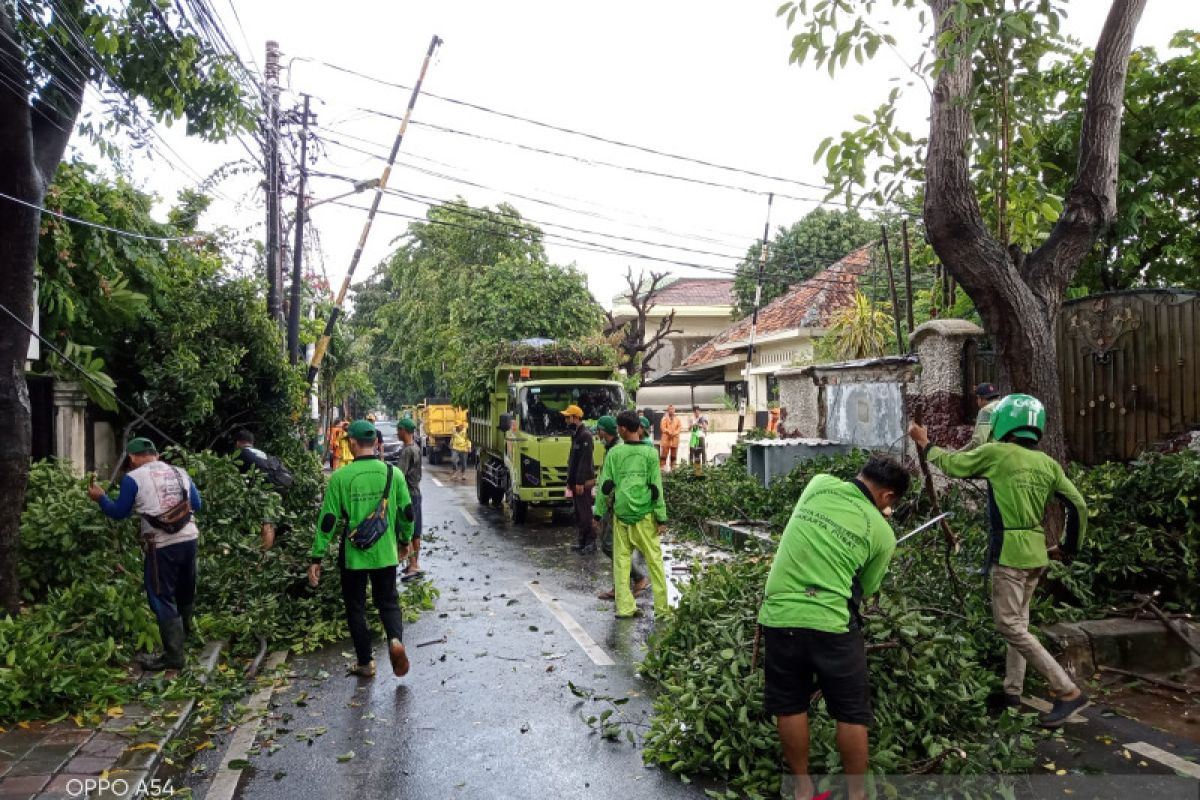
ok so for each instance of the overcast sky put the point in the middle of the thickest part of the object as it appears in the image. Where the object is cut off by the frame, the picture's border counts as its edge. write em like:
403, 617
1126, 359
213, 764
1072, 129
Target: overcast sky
705, 79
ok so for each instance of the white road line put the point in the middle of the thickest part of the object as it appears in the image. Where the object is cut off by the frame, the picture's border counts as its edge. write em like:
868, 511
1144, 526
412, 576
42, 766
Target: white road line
467, 515
436, 482
1181, 765
225, 782
593, 650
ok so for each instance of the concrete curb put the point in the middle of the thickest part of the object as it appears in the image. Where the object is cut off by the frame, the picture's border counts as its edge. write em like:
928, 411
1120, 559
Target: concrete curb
133, 774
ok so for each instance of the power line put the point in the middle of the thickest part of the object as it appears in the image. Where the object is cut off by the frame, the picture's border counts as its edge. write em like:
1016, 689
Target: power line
585, 245
98, 226
651, 173
584, 134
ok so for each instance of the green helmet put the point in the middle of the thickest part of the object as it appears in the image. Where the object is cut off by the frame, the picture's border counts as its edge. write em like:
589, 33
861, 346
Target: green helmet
1020, 415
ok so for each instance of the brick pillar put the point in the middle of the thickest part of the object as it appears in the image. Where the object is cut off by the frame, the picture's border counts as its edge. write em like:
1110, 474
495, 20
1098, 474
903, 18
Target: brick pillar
938, 391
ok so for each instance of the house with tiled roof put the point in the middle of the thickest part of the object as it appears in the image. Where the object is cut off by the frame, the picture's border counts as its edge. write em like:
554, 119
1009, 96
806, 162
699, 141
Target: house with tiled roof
702, 306
787, 332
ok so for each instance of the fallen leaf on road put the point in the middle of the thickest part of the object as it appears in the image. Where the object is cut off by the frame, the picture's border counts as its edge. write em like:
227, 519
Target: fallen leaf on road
238, 763
344, 757
145, 746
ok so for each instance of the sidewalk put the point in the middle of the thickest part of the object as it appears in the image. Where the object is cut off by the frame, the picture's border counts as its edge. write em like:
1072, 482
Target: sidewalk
114, 759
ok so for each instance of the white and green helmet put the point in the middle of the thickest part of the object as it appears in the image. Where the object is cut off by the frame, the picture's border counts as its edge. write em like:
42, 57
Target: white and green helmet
1020, 415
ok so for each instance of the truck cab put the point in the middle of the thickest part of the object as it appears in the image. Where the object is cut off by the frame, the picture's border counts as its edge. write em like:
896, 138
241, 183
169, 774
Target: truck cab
526, 461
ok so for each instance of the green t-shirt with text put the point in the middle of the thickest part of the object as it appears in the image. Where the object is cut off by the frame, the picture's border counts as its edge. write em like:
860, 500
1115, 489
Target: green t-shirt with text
834, 552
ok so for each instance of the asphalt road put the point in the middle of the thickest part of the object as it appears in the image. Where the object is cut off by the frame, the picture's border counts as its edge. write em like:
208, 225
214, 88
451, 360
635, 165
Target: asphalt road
486, 710
488, 713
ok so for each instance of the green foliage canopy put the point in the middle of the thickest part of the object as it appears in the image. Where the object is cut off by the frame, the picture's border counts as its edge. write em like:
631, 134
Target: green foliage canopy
465, 278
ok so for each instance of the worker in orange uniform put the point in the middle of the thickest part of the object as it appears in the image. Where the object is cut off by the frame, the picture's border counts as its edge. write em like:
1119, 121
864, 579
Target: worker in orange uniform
668, 445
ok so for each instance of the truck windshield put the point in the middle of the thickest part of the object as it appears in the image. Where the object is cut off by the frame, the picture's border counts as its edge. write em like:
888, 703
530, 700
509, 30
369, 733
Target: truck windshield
542, 406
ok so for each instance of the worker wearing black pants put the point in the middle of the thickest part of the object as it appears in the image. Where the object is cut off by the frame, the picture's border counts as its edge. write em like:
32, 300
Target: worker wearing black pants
581, 478
387, 602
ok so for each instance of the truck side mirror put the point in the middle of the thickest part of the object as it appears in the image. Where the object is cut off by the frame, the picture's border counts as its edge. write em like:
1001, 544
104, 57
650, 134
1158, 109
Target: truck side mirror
505, 422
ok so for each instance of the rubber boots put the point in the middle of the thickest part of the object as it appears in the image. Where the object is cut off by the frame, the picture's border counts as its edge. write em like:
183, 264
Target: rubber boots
186, 613
172, 655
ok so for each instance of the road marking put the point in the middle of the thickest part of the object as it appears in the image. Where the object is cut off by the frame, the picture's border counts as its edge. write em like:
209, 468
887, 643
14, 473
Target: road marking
225, 782
436, 482
467, 514
1181, 765
593, 650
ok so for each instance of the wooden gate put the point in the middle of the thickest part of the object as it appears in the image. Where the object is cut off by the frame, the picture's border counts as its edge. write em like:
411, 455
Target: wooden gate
1129, 363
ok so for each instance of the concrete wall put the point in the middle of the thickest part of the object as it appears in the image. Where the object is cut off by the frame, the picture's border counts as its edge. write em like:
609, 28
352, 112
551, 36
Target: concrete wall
867, 415
869, 403
799, 400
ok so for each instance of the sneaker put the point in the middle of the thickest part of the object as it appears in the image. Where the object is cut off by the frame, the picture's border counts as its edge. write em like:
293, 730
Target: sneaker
399, 658
1062, 711
641, 586
1012, 701
609, 595
364, 670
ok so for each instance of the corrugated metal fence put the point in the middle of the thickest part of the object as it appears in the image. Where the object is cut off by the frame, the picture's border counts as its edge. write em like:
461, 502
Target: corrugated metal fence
1130, 369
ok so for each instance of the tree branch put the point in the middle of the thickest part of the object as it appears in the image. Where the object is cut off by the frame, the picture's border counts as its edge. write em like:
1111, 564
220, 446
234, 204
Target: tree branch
59, 101
1091, 204
954, 222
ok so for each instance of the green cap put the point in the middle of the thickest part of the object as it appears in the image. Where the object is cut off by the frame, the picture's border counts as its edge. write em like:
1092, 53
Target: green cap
362, 430
608, 424
645, 423
140, 445
407, 424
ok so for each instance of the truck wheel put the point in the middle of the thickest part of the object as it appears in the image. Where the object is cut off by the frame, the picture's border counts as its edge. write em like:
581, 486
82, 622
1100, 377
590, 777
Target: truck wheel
518, 509
433, 456
483, 489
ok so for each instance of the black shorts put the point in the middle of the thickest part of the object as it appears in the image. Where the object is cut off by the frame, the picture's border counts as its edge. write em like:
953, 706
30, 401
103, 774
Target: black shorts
800, 660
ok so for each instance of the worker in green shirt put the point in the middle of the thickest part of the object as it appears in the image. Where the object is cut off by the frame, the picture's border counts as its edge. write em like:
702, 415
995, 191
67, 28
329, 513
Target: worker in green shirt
834, 552
631, 477
368, 499
606, 431
1021, 481
987, 397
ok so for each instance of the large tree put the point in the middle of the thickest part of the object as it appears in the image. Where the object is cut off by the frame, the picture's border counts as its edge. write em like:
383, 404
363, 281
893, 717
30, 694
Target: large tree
464, 277
986, 72
798, 252
50, 52
1152, 241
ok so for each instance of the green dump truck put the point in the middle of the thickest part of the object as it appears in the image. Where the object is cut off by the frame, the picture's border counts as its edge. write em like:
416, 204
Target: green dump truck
521, 437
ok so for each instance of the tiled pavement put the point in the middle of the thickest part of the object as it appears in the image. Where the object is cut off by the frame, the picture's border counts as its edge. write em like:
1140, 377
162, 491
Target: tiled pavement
52, 762
56, 761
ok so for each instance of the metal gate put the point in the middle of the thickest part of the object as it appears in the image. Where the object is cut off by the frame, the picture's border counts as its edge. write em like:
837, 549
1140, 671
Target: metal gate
1130, 373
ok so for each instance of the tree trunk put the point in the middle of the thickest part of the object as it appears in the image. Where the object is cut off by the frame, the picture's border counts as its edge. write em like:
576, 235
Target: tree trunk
18, 251
1020, 302
33, 136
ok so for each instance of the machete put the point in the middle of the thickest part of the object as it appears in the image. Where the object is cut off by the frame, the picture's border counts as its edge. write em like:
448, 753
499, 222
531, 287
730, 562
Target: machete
926, 526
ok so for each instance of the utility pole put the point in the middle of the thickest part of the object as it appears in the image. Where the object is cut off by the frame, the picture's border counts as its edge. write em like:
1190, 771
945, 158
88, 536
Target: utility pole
758, 279
318, 356
271, 140
293, 330
887, 254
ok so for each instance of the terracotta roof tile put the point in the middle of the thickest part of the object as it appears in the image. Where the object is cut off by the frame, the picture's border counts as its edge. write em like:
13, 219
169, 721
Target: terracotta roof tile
696, 292
810, 304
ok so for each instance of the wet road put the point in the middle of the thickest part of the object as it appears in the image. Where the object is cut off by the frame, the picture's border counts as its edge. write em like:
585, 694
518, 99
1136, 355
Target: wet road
488, 713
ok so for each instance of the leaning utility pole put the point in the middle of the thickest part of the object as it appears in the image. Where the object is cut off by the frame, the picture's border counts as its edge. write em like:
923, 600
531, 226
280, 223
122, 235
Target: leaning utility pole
323, 344
271, 145
762, 262
293, 330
